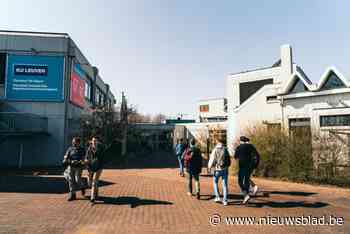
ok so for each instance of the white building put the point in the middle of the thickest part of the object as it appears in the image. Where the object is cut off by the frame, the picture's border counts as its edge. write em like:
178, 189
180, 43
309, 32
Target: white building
212, 110
252, 95
283, 95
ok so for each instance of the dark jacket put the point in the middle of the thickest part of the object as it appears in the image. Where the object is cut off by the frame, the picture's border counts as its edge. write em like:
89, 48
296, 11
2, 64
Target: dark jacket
247, 155
193, 160
95, 157
75, 156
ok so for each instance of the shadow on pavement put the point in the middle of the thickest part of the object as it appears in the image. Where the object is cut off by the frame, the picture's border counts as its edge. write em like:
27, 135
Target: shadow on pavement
207, 197
287, 204
257, 202
38, 184
131, 201
291, 193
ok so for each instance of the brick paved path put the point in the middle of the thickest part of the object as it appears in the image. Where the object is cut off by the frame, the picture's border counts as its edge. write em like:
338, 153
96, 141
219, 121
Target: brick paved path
155, 201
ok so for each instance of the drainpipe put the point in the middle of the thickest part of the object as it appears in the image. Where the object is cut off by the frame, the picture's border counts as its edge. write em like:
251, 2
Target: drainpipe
107, 98
282, 110
20, 161
68, 67
93, 87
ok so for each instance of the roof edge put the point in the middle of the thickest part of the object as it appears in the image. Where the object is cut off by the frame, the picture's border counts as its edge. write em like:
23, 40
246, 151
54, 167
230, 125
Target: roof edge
33, 33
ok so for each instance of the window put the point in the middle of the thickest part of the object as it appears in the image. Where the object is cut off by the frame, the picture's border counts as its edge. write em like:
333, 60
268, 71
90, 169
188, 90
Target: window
274, 126
109, 103
247, 89
333, 82
300, 122
334, 120
204, 108
88, 89
298, 87
103, 99
300, 129
271, 98
100, 97
2, 68
97, 96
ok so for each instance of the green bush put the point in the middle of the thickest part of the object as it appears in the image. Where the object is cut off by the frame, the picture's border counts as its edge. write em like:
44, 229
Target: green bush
291, 156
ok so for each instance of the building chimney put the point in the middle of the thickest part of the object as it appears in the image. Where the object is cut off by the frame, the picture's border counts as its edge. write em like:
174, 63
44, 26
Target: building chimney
286, 62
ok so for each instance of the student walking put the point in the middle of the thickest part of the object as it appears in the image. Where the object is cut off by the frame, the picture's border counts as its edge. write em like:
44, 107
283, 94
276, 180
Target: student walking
248, 159
73, 160
179, 151
193, 164
94, 161
220, 160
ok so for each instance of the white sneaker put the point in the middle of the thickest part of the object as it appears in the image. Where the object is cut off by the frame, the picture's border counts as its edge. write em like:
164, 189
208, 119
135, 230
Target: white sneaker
251, 189
217, 199
246, 199
255, 190
225, 203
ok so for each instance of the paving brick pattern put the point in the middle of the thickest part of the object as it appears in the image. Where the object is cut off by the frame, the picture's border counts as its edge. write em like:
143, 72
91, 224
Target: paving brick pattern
155, 201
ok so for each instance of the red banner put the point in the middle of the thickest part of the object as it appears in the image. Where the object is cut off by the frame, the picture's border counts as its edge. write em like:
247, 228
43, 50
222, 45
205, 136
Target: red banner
77, 93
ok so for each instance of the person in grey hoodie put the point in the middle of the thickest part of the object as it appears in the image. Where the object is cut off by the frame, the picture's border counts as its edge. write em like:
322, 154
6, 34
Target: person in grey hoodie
220, 160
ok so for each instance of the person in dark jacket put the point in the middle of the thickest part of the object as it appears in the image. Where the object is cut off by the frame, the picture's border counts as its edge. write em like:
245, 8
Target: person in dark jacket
74, 162
248, 159
94, 161
193, 164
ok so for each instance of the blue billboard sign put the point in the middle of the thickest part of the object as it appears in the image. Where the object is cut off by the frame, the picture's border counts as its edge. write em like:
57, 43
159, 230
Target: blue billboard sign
35, 78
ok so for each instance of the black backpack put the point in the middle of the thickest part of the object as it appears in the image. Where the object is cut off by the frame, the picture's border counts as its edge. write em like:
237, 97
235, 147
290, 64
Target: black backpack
227, 159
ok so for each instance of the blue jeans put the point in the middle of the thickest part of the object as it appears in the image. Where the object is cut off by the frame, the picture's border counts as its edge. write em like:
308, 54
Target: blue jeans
224, 175
181, 164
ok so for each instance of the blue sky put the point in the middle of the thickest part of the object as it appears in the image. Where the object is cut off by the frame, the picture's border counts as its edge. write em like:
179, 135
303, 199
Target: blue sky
166, 55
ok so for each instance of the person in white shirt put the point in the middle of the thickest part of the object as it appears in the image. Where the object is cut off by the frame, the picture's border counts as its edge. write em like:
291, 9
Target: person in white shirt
220, 160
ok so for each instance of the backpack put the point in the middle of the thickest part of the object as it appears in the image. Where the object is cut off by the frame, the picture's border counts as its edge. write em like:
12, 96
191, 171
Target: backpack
253, 159
188, 157
223, 159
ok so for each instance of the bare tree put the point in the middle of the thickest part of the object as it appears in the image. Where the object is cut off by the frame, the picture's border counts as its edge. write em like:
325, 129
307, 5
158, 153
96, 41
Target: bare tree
159, 118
